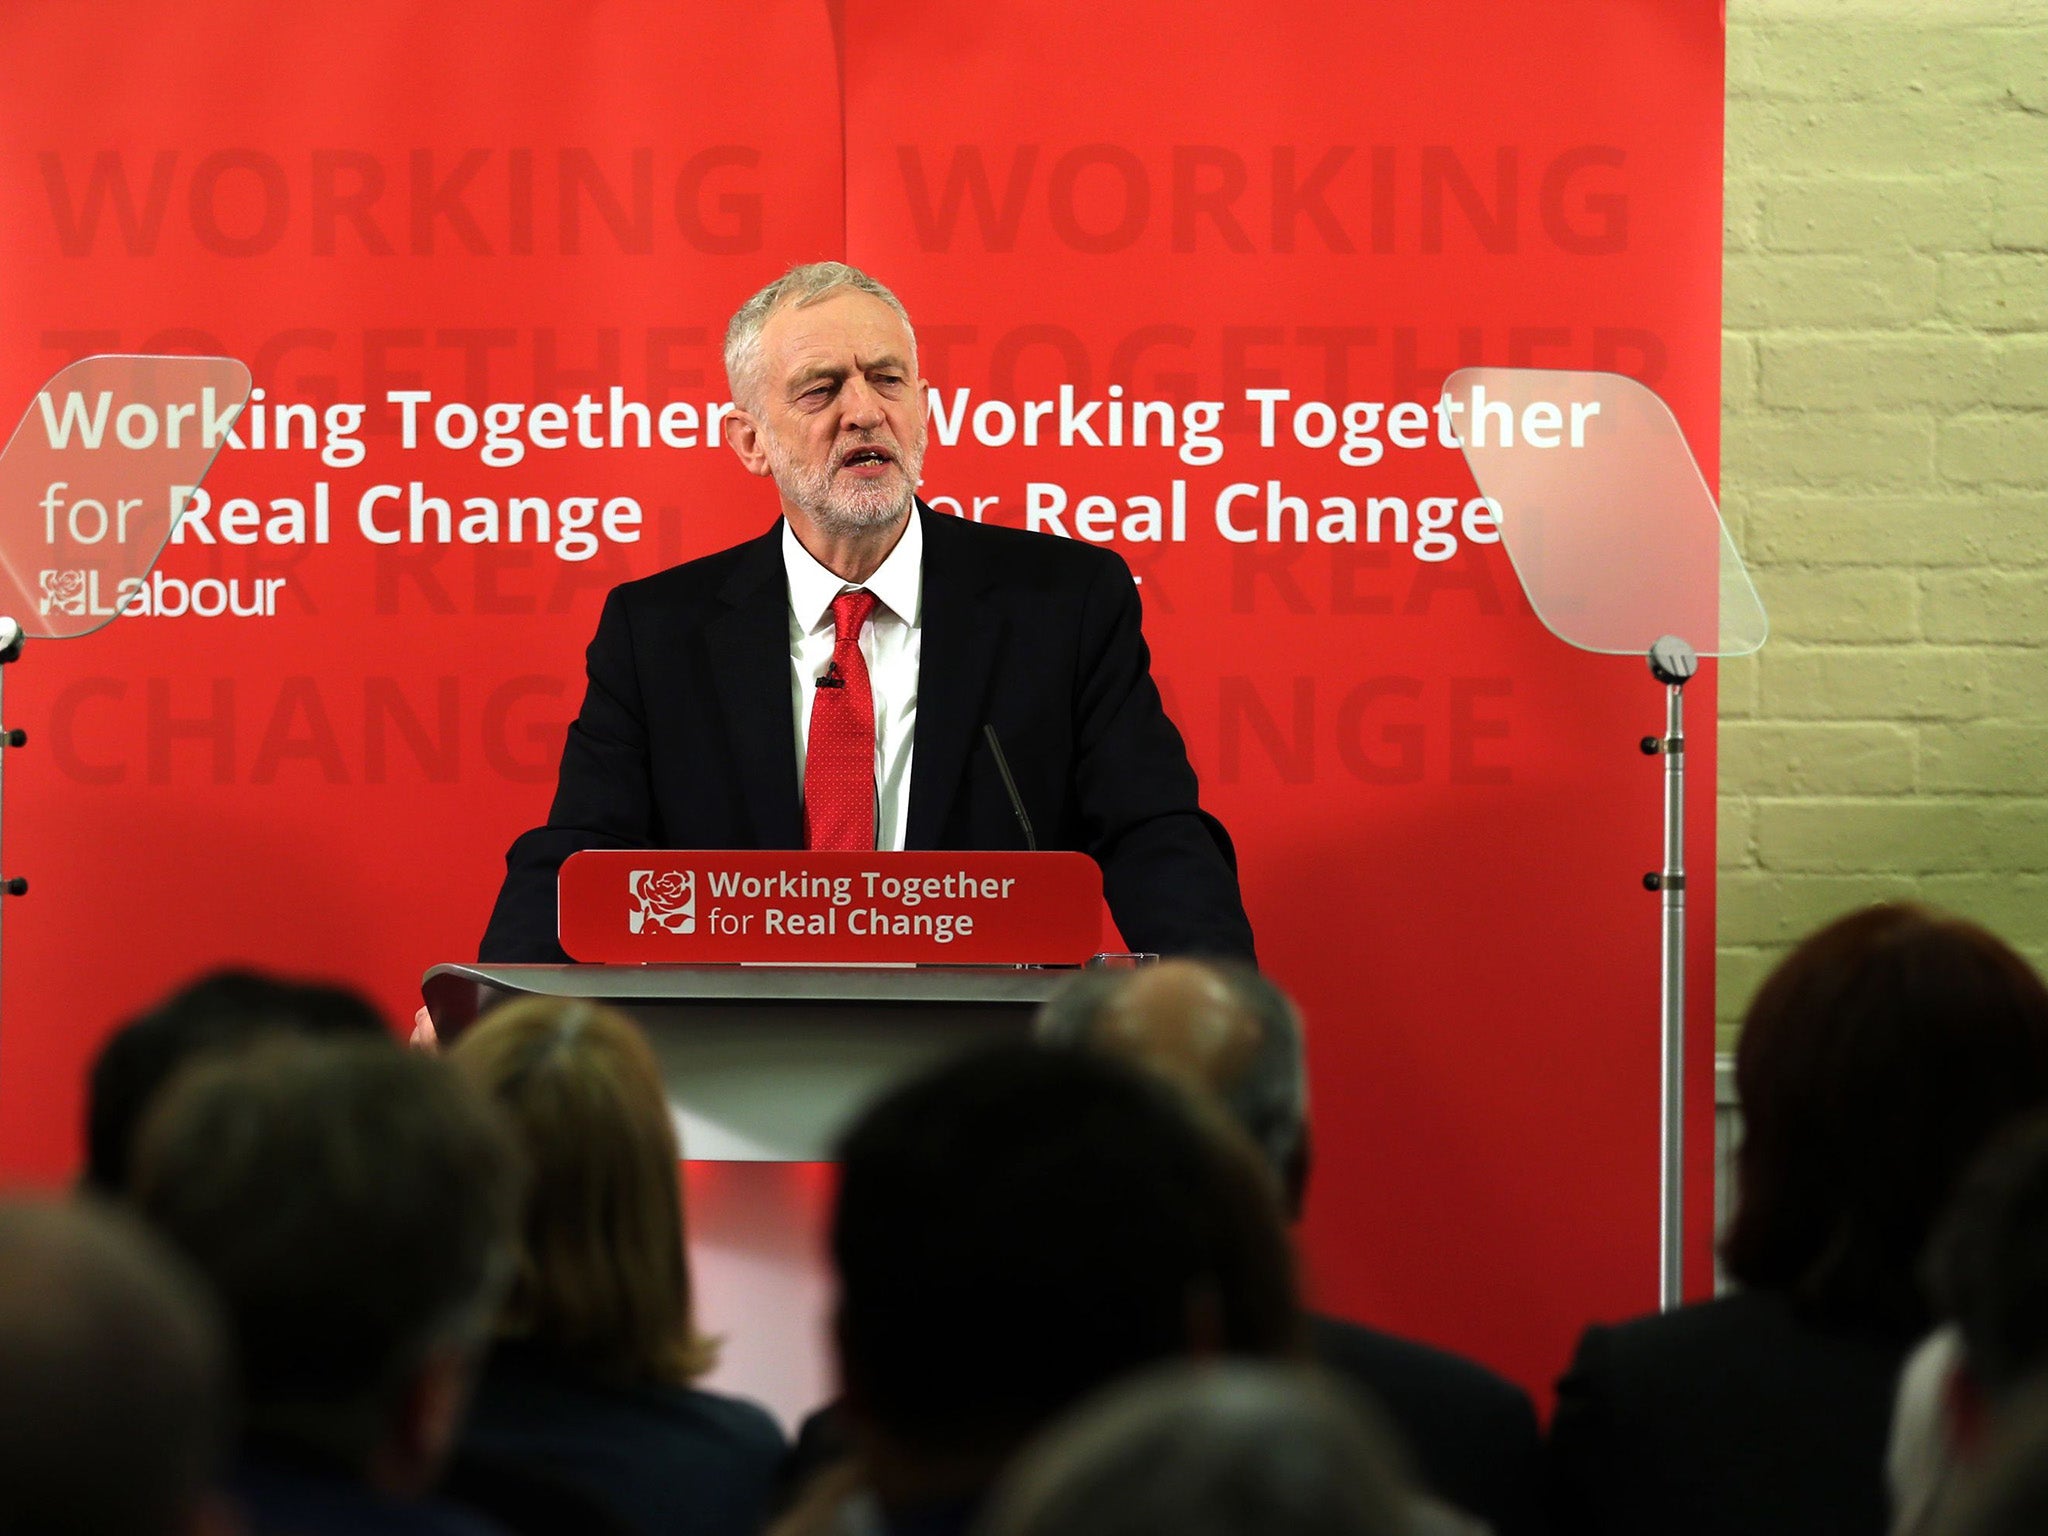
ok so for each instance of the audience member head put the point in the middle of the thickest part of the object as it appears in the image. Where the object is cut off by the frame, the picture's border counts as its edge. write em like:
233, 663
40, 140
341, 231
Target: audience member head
1209, 1449
219, 1010
603, 1279
354, 1207
113, 1381
1021, 1226
1216, 1025
1875, 1062
1989, 1271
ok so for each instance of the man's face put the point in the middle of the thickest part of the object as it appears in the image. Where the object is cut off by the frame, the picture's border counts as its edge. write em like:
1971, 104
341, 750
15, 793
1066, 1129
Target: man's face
838, 413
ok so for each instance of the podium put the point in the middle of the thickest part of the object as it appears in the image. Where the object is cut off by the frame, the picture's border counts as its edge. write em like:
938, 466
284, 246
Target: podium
764, 1066
769, 1063
767, 1056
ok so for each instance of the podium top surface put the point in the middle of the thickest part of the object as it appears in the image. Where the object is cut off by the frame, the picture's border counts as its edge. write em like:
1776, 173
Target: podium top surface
643, 984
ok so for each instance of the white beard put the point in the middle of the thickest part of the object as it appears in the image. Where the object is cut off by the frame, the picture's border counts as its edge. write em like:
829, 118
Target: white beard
854, 506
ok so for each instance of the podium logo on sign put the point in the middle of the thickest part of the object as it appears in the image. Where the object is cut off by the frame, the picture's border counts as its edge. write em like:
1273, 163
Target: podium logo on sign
665, 901
63, 592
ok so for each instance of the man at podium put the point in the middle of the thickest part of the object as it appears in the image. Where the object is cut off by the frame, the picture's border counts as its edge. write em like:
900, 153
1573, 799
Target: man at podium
857, 677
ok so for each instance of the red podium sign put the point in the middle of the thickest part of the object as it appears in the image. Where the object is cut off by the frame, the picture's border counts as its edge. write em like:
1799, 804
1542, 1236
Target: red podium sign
691, 906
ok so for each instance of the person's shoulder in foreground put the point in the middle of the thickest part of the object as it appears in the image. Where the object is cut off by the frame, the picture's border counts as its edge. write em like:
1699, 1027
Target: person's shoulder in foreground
676, 1459
1472, 1432
1730, 1415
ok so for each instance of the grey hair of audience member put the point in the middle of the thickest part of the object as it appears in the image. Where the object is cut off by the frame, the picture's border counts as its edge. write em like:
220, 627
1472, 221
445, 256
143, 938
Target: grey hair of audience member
1223, 1449
114, 1397
1268, 1099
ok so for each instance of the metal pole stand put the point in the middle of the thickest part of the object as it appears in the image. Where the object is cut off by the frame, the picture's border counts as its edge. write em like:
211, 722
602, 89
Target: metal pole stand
10, 651
1673, 663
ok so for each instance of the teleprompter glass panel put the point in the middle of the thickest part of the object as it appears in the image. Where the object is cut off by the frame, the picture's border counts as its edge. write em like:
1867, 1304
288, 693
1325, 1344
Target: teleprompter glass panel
1605, 515
95, 476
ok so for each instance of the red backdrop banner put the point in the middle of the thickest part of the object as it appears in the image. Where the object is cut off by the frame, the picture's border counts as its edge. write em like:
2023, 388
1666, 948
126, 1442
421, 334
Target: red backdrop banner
443, 228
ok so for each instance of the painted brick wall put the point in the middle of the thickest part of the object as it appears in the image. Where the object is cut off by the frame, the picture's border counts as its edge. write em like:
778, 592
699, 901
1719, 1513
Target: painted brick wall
1885, 468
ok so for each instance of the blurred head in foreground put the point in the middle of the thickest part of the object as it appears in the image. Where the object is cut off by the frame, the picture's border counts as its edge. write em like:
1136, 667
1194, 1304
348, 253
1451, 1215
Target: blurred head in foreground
353, 1206
1216, 1449
1877, 1060
113, 1380
1021, 1226
603, 1281
1217, 1026
220, 1010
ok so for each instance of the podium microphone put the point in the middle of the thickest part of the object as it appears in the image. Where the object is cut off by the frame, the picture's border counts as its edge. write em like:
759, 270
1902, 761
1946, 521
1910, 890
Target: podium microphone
1010, 787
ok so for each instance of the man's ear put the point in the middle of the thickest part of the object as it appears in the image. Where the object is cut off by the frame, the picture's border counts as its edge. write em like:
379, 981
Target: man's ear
744, 433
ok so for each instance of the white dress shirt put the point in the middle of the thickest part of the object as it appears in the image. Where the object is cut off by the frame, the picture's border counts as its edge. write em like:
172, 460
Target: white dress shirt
890, 643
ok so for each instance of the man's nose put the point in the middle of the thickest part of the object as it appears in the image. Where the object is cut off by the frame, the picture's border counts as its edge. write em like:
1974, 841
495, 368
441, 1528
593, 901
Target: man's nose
859, 405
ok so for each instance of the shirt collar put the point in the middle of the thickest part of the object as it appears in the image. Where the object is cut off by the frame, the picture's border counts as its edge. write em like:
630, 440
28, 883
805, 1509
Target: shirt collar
898, 584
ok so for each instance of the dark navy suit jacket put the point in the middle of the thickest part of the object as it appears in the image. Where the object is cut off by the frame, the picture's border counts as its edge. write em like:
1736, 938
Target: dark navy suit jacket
686, 737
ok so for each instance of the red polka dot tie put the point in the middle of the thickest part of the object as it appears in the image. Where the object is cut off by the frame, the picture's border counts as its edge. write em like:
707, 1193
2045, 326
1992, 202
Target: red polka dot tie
839, 761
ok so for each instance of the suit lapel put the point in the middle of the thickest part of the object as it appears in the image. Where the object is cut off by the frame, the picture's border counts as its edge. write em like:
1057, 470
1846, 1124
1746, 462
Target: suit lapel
749, 644
960, 635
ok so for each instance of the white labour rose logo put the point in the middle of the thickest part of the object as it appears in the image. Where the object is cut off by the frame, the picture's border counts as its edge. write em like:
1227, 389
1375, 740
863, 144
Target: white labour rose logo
63, 591
665, 901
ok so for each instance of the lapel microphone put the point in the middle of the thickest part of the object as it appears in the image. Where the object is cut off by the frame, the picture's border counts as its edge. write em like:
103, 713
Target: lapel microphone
830, 677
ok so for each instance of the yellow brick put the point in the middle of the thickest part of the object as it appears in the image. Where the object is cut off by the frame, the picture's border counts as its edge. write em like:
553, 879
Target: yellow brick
1778, 910
1888, 288
2019, 221
2026, 70
1840, 605
1925, 134
1738, 371
1824, 55
1864, 372
1816, 758
2007, 291
1991, 607
1737, 975
1982, 756
2020, 371
1867, 213
1872, 682
1734, 833
2015, 907
1740, 695
1836, 448
1898, 836
2018, 835
1988, 448
1828, 528
2016, 682
1742, 214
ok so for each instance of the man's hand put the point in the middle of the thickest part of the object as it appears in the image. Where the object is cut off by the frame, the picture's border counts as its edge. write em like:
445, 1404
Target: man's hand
423, 1036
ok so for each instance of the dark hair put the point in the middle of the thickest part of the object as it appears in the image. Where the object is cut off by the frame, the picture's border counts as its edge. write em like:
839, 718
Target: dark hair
1875, 1062
1988, 1264
114, 1399
219, 1010
353, 1206
1024, 1224
1210, 1449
